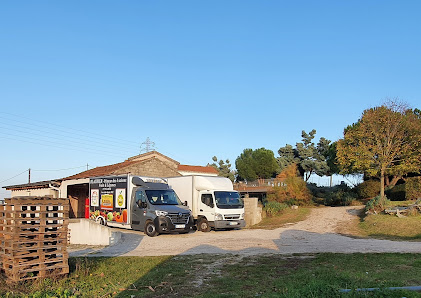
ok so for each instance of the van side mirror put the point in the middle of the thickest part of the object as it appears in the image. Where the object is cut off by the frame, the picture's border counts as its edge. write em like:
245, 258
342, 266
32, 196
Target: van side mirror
185, 203
141, 204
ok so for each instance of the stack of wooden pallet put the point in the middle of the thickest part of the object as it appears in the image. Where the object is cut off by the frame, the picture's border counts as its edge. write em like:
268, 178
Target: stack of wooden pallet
34, 237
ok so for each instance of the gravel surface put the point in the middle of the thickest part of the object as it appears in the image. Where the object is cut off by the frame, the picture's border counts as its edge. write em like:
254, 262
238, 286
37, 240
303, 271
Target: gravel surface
315, 234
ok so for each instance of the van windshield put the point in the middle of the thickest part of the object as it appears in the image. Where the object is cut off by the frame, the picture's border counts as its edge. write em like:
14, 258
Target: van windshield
162, 197
228, 200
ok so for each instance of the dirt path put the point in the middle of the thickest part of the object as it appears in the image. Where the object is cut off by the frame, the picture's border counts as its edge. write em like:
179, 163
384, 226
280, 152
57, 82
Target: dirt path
327, 219
318, 233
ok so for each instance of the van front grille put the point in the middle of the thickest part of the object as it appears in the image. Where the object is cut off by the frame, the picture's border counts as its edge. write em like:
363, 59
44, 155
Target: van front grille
179, 218
232, 216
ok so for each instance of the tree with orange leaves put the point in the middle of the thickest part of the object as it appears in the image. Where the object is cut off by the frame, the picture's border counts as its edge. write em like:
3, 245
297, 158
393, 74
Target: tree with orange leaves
386, 140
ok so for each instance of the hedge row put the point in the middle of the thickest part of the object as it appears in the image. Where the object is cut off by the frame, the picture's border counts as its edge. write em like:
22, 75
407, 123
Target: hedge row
413, 188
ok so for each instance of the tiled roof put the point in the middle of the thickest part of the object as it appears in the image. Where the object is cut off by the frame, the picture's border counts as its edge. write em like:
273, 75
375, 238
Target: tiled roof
102, 171
198, 169
149, 155
111, 169
119, 168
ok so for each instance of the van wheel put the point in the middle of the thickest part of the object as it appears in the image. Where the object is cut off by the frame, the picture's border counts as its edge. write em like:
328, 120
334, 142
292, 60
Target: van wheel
150, 229
101, 220
203, 225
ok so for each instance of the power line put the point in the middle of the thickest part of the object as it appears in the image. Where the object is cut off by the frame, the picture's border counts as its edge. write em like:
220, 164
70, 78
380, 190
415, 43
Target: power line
53, 129
89, 134
58, 169
14, 176
64, 147
47, 139
67, 135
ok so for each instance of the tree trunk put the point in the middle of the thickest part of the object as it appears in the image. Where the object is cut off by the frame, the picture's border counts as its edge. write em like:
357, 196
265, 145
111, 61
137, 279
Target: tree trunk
382, 183
395, 180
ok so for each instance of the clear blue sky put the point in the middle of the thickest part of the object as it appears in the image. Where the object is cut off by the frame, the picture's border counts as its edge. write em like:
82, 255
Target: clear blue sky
88, 81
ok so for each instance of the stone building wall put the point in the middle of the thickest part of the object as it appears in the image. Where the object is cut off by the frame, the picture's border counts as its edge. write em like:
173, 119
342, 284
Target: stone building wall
151, 168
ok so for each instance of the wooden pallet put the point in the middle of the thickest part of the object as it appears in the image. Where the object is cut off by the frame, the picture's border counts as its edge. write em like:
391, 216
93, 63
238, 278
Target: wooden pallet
34, 237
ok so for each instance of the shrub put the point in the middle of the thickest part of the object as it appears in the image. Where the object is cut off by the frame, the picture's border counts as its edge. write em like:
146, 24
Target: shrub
273, 208
413, 211
377, 204
318, 191
396, 193
413, 188
368, 189
293, 188
339, 195
340, 198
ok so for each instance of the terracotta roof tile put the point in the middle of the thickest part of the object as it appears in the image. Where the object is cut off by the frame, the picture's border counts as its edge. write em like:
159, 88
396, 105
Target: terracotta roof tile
101, 171
198, 169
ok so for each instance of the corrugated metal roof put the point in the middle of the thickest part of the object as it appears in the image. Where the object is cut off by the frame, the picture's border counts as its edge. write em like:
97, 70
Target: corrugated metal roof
40, 184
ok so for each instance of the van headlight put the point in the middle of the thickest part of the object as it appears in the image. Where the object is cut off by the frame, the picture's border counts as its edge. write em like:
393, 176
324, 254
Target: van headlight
242, 216
218, 216
161, 213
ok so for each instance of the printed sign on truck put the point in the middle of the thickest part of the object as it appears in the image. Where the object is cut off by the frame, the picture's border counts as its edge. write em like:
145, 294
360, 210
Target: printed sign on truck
109, 198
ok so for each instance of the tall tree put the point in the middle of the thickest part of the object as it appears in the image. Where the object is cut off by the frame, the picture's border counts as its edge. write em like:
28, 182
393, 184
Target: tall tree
254, 164
223, 168
386, 140
308, 157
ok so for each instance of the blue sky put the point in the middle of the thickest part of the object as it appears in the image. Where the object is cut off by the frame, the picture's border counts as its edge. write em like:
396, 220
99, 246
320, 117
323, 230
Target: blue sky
86, 82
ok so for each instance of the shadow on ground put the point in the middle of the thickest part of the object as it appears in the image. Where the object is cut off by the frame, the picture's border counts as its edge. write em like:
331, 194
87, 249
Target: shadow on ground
127, 243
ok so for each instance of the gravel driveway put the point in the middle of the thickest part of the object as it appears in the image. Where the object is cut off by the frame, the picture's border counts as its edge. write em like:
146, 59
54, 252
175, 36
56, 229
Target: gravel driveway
315, 234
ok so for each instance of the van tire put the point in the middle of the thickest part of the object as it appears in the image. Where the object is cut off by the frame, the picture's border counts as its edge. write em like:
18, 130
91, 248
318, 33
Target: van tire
203, 225
150, 229
101, 221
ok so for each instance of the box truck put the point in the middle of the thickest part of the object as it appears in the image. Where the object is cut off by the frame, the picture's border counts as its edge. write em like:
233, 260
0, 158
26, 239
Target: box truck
212, 200
141, 203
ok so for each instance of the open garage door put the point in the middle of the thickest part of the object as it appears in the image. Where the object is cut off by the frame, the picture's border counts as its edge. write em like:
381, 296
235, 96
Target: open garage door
77, 194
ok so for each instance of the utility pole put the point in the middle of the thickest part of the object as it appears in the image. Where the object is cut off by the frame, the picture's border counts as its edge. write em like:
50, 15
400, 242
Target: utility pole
87, 166
29, 175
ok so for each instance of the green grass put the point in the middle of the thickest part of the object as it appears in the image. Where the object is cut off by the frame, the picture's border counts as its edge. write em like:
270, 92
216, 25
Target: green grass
319, 275
385, 226
90, 277
287, 216
391, 227
322, 276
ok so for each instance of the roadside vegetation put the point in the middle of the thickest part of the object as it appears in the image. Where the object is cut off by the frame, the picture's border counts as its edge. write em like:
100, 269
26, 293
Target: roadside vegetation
383, 146
286, 216
319, 275
384, 226
373, 221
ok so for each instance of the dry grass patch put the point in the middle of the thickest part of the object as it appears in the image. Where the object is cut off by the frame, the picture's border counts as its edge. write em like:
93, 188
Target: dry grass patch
391, 227
286, 217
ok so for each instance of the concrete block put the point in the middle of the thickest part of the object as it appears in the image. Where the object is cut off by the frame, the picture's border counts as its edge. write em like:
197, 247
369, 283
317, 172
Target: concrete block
85, 231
